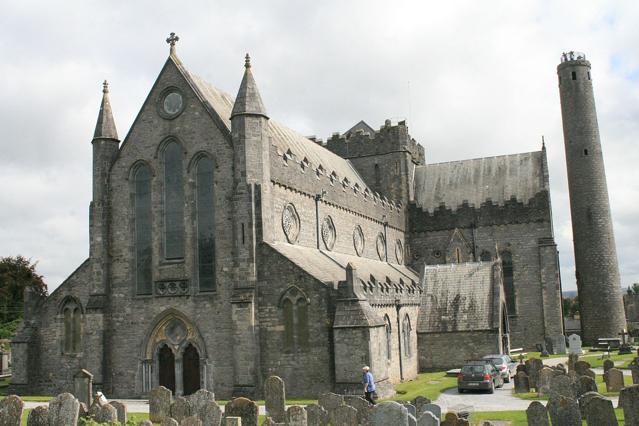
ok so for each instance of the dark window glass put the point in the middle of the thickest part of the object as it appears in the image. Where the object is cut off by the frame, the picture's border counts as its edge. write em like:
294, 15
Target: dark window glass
302, 323
406, 329
173, 202
68, 330
389, 343
509, 281
205, 225
77, 316
143, 229
287, 306
574, 75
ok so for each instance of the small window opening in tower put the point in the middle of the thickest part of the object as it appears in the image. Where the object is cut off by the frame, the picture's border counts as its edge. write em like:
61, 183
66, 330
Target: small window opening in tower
243, 238
560, 80
574, 75
588, 75
458, 255
585, 152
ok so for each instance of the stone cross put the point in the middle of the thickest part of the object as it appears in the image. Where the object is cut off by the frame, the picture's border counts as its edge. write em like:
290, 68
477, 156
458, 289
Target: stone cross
171, 41
623, 335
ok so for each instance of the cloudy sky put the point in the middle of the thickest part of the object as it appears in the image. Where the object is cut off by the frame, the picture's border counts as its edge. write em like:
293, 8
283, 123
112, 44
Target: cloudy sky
472, 78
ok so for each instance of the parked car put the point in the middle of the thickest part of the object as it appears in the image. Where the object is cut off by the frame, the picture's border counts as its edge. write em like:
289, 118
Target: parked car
504, 363
480, 374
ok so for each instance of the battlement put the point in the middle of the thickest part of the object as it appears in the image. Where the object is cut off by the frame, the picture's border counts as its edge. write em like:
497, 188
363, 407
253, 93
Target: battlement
572, 56
389, 138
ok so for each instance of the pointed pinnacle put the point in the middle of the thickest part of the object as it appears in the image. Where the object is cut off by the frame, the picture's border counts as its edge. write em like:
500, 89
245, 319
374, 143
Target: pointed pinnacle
247, 61
105, 87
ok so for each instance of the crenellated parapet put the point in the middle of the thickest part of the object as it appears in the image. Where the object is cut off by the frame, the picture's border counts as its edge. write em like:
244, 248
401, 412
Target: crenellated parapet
389, 138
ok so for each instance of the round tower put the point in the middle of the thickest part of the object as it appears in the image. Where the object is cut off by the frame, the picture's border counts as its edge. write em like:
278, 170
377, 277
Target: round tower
597, 271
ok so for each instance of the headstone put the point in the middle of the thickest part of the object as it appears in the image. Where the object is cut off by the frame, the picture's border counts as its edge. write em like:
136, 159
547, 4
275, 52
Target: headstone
296, 416
537, 414
522, 385
210, 414
107, 414
629, 401
410, 407
169, 421
591, 373
574, 344
361, 405
121, 410
199, 399
146, 422
39, 416
419, 402
244, 408
428, 419
599, 411
543, 381
180, 409
233, 421
533, 367
614, 380
521, 367
581, 367
585, 384
562, 385
584, 400
83, 411
275, 398
316, 415
63, 410
412, 421
11, 411
191, 421
159, 404
451, 419
607, 365
572, 359
389, 413
83, 386
330, 401
345, 415
434, 409
564, 411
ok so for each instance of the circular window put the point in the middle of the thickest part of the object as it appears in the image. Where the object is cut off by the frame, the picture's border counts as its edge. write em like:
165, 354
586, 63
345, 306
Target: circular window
290, 223
399, 252
171, 104
381, 246
437, 254
328, 232
358, 240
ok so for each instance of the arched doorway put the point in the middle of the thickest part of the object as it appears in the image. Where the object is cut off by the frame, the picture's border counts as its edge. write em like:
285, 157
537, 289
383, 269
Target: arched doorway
166, 364
191, 370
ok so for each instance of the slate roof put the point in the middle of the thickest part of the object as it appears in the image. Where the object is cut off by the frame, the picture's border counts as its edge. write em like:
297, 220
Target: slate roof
493, 178
363, 126
459, 297
282, 137
105, 125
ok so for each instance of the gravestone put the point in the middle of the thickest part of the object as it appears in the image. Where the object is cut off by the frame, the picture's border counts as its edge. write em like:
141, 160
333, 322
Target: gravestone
11, 411
146, 422
434, 409
522, 385
180, 409
533, 367
521, 367
39, 416
591, 373
419, 402
233, 421
159, 404
361, 405
169, 421
296, 416
244, 408
629, 401
614, 380
275, 398
191, 421
210, 414
330, 401
389, 413
83, 386
584, 400
562, 385
581, 367
316, 415
94, 409
199, 400
607, 365
564, 411
428, 419
634, 369
107, 414
451, 419
121, 410
345, 415
585, 384
599, 411
410, 407
412, 421
572, 359
537, 414
83, 411
574, 344
63, 410
543, 381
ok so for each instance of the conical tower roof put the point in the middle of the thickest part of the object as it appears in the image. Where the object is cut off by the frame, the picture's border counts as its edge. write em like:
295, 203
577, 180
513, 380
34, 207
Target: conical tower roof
105, 127
248, 100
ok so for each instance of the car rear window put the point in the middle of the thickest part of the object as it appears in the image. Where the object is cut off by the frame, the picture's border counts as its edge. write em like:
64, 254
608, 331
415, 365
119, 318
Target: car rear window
497, 361
470, 369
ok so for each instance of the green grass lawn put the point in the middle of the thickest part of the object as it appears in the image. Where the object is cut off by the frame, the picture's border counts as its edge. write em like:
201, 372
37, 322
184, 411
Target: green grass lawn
596, 361
430, 385
518, 418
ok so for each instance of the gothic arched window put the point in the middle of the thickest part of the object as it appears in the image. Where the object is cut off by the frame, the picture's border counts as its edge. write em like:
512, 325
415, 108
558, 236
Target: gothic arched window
294, 306
205, 224
173, 202
72, 337
509, 281
389, 341
406, 335
142, 212
485, 256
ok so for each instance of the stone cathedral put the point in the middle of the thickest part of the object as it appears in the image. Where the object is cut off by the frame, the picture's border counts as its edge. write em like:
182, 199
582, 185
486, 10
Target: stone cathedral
226, 247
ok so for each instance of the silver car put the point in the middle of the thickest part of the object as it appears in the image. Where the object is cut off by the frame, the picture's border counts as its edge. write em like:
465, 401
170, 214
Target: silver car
504, 363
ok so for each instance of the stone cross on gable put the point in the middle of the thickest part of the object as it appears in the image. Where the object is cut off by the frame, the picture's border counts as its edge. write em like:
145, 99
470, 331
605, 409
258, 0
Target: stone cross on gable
172, 40
623, 335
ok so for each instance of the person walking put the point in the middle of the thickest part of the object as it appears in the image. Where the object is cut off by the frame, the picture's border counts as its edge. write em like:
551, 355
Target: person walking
369, 384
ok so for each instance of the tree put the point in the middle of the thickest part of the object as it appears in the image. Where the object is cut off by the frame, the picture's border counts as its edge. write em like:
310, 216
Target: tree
633, 289
17, 273
571, 306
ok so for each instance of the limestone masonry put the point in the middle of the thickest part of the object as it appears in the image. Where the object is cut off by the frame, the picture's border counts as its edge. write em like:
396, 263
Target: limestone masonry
226, 248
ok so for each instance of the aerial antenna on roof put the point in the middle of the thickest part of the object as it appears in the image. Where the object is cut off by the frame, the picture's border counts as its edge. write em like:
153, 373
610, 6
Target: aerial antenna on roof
543, 142
410, 118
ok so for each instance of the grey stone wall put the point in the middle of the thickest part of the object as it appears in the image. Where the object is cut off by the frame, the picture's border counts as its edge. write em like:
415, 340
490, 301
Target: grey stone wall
442, 351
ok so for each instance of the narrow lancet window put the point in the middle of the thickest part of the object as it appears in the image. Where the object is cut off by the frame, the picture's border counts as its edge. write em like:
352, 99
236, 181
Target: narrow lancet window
509, 281
173, 202
205, 225
142, 208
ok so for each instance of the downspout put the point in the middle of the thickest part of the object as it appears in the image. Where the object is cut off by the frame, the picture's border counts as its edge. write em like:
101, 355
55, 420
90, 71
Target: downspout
318, 198
399, 341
